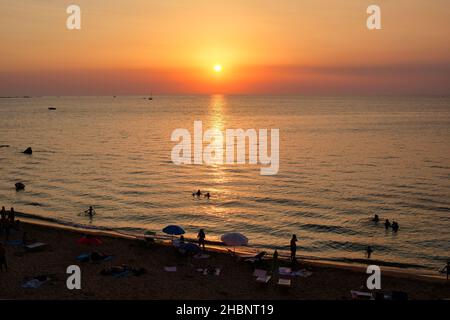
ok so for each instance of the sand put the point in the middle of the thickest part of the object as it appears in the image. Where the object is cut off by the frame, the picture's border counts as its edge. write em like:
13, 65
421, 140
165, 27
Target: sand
234, 282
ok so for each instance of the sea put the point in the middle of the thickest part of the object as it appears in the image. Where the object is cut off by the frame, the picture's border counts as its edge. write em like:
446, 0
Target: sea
341, 161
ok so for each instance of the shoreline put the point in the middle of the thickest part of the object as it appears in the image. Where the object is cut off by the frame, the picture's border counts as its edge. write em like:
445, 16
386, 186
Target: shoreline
328, 281
350, 263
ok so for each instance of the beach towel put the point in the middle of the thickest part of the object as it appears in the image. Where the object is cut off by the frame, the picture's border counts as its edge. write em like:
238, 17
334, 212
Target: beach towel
15, 243
122, 271
301, 273
211, 271
84, 257
259, 273
284, 271
35, 282
170, 269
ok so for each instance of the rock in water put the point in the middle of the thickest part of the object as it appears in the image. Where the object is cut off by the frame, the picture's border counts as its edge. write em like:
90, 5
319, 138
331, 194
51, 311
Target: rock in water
28, 151
20, 186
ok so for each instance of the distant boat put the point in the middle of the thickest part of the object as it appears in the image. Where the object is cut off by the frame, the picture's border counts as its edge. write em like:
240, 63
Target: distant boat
51, 108
151, 97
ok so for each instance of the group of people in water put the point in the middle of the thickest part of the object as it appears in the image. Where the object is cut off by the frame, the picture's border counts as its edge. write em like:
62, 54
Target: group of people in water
387, 224
198, 194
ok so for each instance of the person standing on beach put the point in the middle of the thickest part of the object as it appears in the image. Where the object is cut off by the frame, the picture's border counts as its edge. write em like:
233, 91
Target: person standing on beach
3, 258
293, 247
447, 269
11, 216
2, 220
201, 238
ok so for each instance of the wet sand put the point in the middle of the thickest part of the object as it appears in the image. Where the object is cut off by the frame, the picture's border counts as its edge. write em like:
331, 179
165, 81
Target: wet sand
234, 282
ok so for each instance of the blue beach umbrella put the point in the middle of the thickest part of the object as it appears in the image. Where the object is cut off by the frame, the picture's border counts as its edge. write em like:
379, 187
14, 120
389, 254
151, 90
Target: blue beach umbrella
173, 230
189, 248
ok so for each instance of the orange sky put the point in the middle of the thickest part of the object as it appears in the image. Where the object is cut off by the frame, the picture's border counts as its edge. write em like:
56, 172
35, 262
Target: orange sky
276, 47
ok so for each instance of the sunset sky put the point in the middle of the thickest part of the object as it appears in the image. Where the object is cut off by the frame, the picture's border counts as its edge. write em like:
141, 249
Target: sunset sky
263, 46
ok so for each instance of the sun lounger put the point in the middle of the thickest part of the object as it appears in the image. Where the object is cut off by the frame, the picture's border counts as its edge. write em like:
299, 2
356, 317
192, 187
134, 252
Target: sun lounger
35, 247
170, 269
284, 271
359, 295
284, 282
259, 273
264, 279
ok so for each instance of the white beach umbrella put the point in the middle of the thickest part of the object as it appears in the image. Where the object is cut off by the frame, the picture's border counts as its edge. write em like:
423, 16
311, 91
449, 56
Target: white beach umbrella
234, 239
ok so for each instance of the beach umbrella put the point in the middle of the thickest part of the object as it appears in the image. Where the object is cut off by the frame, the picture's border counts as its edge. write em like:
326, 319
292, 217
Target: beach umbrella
234, 239
189, 248
86, 240
173, 230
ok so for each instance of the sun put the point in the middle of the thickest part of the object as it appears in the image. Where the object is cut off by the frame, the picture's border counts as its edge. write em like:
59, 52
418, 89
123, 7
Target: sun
218, 68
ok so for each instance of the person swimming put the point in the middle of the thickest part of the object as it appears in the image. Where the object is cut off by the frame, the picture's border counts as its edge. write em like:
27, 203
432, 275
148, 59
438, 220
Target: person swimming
387, 224
376, 218
208, 195
198, 193
90, 212
395, 226
369, 252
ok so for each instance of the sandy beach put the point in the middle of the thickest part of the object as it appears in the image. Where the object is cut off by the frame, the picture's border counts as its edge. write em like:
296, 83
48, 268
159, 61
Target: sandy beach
234, 282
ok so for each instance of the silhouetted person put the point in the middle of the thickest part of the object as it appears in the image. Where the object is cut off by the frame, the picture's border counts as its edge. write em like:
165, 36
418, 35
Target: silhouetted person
369, 252
275, 262
11, 216
207, 195
448, 269
181, 239
293, 247
387, 224
198, 193
2, 219
25, 239
376, 218
90, 212
201, 238
3, 258
395, 226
